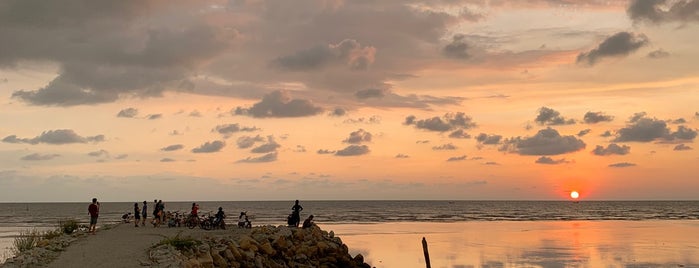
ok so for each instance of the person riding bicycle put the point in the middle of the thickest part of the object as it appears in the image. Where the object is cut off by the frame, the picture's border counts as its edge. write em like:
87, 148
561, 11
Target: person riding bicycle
195, 210
219, 216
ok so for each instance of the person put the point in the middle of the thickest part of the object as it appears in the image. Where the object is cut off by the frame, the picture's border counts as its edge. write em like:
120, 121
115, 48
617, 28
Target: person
296, 214
219, 218
161, 211
308, 222
145, 213
126, 217
243, 221
94, 211
195, 210
155, 213
137, 214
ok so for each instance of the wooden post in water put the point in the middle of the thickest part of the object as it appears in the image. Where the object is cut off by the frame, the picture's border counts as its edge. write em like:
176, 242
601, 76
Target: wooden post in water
427, 253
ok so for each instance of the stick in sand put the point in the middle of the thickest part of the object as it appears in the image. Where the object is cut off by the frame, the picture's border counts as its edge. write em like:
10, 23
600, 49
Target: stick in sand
427, 253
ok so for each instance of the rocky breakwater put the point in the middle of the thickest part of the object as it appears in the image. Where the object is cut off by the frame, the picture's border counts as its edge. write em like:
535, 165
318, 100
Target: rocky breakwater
263, 247
45, 251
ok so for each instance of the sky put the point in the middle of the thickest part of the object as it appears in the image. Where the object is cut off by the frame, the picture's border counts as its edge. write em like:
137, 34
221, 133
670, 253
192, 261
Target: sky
331, 99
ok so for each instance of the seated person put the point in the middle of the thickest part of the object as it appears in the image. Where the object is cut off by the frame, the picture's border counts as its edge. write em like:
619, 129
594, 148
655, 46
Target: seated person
308, 222
219, 215
242, 219
126, 217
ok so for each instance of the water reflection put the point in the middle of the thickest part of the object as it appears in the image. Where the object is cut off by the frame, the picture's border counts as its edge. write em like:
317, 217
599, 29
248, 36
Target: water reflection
526, 244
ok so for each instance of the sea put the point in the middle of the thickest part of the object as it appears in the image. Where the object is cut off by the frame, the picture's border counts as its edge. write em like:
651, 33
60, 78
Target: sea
15, 217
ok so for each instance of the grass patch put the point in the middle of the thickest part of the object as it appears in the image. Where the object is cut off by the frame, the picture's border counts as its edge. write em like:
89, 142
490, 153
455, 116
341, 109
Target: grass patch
51, 234
68, 226
180, 243
26, 240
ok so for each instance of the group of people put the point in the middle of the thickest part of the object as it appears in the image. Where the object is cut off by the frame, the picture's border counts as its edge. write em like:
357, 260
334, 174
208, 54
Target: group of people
141, 213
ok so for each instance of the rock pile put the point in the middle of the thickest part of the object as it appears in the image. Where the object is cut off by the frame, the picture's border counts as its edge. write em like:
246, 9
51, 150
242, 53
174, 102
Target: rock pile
263, 247
45, 251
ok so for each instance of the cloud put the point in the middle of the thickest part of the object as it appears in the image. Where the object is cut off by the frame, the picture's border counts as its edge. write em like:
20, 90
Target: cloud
353, 150
280, 104
551, 117
270, 157
39, 157
584, 132
245, 142
374, 119
622, 165
268, 147
59, 136
619, 44
456, 158
357, 137
338, 112
661, 11
658, 54
300, 149
491, 163
550, 161
640, 128
678, 121
195, 113
154, 116
611, 150
681, 147
596, 117
325, 151
121, 156
449, 121
488, 139
371, 93
210, 147
167, 160
99, 153
128, 113
458, 48
546, 142
171, 148
402, 156
459, 134
228, 129
444, 147
349, 53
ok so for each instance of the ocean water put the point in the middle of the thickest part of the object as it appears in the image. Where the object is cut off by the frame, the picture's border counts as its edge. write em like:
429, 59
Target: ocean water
363, 222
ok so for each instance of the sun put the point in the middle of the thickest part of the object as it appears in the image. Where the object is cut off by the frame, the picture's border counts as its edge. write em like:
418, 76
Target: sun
574, 194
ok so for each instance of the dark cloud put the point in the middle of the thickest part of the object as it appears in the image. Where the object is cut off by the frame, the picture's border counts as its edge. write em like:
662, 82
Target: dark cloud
449, 121
643, 129
325, 151
491, 163
300, 149
268, 147
338, 112
270, 157
658, 54
59, 136
100, 153
371, 93
456, 158
678, 121
357, 137
681, 147
660, 11
228, 129
210, 147
39, 157
349, 53
459, 134
245, 142
374, 119
154, 116
584, 132
611, 149
606, 134
622, 165
488, 139
422, 142
167, 160
458, 48
596, 117
550, 161
280, 104
171, 148
444, 147
546, 142
402, 156
619, 44
551, 117
353, 150
128, 113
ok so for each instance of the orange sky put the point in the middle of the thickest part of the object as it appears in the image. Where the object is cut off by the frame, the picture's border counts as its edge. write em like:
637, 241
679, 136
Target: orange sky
260, 100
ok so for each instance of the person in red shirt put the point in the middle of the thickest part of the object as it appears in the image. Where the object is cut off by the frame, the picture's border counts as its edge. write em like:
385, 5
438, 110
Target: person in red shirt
94, 211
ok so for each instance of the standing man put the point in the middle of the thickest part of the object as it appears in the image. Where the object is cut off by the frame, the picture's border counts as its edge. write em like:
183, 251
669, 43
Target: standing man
144, 213
296, 213
94, 211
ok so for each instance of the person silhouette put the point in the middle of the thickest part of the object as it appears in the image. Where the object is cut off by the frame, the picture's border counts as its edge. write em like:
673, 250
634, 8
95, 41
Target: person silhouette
296, 214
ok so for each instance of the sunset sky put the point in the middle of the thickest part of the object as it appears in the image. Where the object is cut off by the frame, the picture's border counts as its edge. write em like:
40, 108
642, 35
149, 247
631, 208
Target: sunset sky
358, 99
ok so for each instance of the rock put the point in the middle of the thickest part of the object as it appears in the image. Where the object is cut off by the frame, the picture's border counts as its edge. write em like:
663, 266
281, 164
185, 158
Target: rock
218, 260
266, 248
206, 261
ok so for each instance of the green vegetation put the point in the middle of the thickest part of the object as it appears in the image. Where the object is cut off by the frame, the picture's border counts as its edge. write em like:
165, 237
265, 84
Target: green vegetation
68, 226
26, 240
180, 243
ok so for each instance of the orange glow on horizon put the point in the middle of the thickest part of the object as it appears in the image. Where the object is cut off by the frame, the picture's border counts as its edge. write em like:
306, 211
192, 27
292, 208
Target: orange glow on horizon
574, 195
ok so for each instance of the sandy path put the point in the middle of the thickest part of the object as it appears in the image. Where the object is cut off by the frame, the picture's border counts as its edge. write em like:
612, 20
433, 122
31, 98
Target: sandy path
121, 246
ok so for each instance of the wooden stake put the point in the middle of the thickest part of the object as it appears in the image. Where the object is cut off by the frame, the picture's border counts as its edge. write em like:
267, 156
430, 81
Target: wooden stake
427, 253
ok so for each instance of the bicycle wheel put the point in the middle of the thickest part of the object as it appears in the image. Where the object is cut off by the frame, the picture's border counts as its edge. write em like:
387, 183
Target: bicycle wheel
191, 223
206, 225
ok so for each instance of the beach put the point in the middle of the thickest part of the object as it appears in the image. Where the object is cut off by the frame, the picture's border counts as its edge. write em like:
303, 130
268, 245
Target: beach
458, 244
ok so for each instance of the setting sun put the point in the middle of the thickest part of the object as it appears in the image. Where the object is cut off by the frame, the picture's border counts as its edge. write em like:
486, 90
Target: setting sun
574, 195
